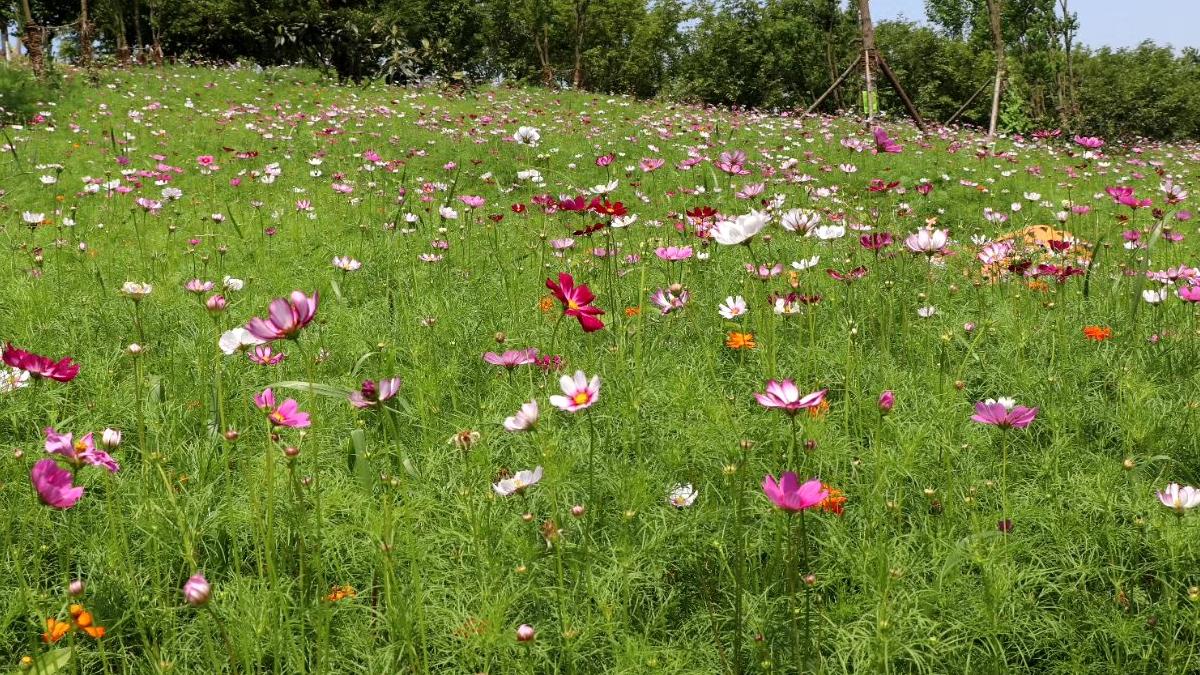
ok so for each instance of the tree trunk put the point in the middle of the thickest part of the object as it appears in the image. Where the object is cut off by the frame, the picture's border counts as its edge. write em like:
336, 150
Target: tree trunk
868, 40
4, 46
85, 36
581, 8
34, 34
1068, 35
139, 46
542, 43
994, 7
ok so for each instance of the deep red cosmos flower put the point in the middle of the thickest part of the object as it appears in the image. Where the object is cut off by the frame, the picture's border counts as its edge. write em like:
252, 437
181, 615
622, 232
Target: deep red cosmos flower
577, 301
40, 366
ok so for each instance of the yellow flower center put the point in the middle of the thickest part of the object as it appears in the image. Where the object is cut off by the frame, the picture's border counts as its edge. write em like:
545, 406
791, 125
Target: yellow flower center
581, 398
80, 446
571, 304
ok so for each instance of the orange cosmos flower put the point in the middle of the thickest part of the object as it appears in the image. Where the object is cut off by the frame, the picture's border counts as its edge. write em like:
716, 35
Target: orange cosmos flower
81, 619
820, 410
1097, 333
341, 593
835, 503
632, 311
546, 304
740, 341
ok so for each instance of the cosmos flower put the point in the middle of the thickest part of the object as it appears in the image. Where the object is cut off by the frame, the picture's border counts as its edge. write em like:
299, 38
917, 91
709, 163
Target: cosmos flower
346, 263
740, 229
372, 394
263, 355
673, 253
54, 485
785, 396
40, 367
527, 136
525, 418
667, 301
512, 358
576, 301
1003, 414
1179, 498
518, 483
287, 414
789, 495
578, 392
12, 379
682, 495
237, 339
733, 307
196, 590
286, 317
927, 240
78, 453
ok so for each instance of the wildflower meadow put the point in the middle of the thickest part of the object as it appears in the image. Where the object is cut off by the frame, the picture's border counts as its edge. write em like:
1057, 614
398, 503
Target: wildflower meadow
304, 377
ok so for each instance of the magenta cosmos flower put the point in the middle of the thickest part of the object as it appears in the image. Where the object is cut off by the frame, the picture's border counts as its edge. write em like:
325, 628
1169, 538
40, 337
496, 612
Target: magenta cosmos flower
83, 451
40, 367
285, 415
372, 394
579, 392
997, 414
785, 396
512, 358
285, 318
576, 301
54, 485
789, 495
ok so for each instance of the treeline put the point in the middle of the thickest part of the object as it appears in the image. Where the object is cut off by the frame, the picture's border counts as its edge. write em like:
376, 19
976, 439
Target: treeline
759, 53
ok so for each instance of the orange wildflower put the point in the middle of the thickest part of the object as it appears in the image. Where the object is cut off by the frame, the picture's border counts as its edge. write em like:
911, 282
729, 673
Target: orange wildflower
1097, 333
81, 619
835, 503
341, 593
546, 304
632, 311
1039, 286
738, 340
820, 410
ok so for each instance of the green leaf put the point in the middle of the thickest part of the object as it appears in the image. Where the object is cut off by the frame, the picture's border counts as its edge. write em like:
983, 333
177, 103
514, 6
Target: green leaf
50, 663
330, 390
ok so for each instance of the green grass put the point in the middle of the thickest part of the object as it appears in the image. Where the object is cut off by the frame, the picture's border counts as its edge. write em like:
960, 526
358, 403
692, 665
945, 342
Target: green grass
914, 577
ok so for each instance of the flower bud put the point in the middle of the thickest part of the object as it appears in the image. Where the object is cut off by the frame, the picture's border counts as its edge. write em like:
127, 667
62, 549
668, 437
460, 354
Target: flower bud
525, 633
75, 588
886, 400
111, 438
577, 510
196, 590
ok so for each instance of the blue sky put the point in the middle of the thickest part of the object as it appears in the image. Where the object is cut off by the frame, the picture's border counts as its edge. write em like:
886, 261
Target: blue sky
1116, 23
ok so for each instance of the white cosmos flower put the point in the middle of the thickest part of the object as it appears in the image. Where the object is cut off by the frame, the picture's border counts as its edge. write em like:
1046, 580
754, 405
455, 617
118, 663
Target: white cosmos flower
807, 263
603, 189
682, 496
12, 379
827, 232
237, 339
741, 228
527, 136
518, 483
1154, 296
448, 213
623, 221
233, 284
927, 311
733, 307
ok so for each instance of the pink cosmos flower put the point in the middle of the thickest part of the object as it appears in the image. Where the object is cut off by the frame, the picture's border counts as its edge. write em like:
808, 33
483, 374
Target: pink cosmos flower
789, 495
83, 451
196, 590
997, 414
512, 358
785, 396
286, 415
883, 143
579, 392
673, 253
887, 399
1189, 293
1180, 498
650, 164
40, 367
372, 394
54, 485
577, 302
525, 419
472, 201
285, 318
263, 355
1089, 142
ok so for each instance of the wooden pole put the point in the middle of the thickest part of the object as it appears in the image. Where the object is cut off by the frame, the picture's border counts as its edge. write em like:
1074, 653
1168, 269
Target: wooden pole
994, 7
908, 104
868, 40
836, 83
969, 102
